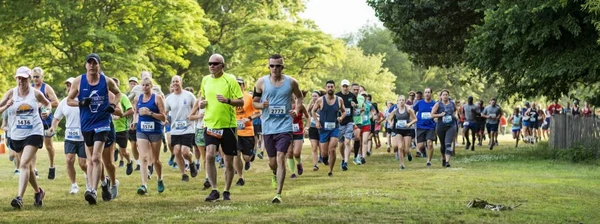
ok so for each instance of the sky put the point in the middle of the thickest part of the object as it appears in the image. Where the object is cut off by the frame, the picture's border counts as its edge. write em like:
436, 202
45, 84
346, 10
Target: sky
338, 17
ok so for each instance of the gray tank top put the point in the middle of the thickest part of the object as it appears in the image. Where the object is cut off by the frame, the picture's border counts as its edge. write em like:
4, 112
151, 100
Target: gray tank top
401, 119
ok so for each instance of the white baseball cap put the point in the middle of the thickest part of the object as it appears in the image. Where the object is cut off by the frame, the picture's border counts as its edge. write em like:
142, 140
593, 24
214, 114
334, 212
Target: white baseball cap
133, 79
345, 82
23, 71
70, 80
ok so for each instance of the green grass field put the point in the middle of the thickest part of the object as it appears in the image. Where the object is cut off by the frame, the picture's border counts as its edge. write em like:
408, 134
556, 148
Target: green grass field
378, 192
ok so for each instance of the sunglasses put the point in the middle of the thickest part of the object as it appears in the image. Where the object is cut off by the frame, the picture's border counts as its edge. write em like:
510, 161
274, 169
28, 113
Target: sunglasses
36, 76
214, 63
411, 95
276, 66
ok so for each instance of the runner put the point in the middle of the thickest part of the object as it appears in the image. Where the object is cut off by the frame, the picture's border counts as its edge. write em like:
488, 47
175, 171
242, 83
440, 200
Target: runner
546, 125
294, 160
403, 117
516, 119
377, 118
46, 115
576, 111
469, 111
179, 106
388, 125
133, 81
554, 108
366, 127
74, 145
540, 120
481, 121
425, 124
92, 91
272, 94
347, 124
148, 118
245, 131
587, 112
357, 118
313, 132
328, 125
121, 129
26, 131
220, 94
445, 111
492, 114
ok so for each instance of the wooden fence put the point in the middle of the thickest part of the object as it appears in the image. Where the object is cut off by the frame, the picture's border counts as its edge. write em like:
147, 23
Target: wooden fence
567, 131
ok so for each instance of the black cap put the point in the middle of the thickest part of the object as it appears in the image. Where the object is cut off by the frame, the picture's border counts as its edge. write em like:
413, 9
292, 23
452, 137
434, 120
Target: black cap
94, 56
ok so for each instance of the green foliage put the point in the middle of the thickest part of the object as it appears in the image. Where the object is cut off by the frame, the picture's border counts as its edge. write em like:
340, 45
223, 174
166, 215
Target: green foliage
576, 154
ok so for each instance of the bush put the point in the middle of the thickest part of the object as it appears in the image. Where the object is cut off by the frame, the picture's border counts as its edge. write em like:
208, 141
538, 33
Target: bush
576, 154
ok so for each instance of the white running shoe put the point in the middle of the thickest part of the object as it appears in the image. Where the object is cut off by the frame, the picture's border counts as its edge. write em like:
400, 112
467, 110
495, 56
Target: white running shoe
74, 189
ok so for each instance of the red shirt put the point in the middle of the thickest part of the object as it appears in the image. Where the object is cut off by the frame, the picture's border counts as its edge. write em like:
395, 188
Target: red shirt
587, 112
554, 109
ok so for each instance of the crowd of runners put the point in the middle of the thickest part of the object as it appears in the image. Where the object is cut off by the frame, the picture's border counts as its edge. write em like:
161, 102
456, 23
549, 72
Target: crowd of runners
229, 123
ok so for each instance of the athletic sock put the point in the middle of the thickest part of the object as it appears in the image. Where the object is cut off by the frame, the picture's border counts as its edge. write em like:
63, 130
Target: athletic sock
298, 160
291, 165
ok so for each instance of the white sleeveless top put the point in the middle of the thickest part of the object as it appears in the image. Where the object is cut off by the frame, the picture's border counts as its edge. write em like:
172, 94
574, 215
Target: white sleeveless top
24, 117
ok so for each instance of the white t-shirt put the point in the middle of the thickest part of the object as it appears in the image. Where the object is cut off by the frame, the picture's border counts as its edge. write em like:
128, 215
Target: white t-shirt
180, 107
200, 122
73, 125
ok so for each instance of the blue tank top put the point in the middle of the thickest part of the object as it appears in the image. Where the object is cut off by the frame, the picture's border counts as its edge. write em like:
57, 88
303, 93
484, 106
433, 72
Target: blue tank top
275, 118
146, 123
328, 115
93, 117
48, 121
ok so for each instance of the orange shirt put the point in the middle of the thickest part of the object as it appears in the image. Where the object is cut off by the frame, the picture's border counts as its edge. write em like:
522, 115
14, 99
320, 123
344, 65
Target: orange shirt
245, 129
502, 121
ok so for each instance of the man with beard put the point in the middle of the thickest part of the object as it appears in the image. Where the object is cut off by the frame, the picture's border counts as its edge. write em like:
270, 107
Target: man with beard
347, 125
328, 125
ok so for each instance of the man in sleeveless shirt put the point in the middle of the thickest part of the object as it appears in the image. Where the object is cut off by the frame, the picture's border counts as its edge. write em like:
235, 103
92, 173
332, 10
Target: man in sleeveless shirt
272, 94
220, 93
90, 92
328, 107
48, 91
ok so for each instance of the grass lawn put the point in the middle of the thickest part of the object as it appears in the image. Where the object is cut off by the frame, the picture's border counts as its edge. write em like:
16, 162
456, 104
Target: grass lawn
378, 192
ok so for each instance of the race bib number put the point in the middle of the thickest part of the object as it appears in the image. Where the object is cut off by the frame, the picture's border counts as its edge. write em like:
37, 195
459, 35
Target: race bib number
492, 115
312, 122
102, 129
277, 111
447, 119
73, 133
348, 111
241, 125
24, 122
329, 125
180, 125
295, 127
466, 124
147, 125
426, 116
217, 133
400, 124
365, 118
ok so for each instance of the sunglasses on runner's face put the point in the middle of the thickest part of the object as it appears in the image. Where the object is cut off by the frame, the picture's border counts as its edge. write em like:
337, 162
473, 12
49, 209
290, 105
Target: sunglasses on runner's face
276, 66
36, 76
214, 63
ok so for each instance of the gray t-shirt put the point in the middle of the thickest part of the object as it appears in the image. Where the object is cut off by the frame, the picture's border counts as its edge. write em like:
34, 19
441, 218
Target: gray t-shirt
470, 111
493, 112
180, 107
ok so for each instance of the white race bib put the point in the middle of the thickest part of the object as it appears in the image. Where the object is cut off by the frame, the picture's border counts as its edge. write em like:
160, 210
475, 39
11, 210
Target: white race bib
180, 125
147, 126
312, 122
365, 119
241, 125
73, 133
466, 124
447, 119
329, 125
295, 127
102, 129
218, 133
24, 122
277, 111
492, 115
348, 111
400, 124
426, 115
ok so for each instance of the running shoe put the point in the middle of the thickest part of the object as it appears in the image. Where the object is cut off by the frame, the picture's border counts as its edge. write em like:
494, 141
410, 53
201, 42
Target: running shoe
443, 163
330, 174
240, 182
428, 164
161, 186
171, 160
357, 161
197, 166
90, 197
106, 195
142, 190
114, 189
129, 169
362, 160
447, 165
193, 170
206, 184
300, 169
121, 164
226, 196
38, 198
253, 157
402, 167
17, 172
468, 146
260, 155
247, 165
51, 173
213, 196
389, 149
369, 153
320, 159
424, 154
344, 166
409, 157
293, 176
74, 189
137, 168
316, 168
274, 181
326, 161
185, 178
276, 199
17, 202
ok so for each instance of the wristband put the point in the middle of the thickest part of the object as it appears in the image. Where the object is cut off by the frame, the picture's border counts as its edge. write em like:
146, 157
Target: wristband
228, 101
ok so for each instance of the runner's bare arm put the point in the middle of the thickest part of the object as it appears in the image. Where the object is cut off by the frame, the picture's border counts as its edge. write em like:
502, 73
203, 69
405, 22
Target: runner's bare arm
135, 114
118, 111
315, 108
6, 101
258, 91
113, 88
305, 112
296, 90
52, 96
434, 110
413, 117
39, 96
390, 117
342, 108
162, 114
74, 92
195, 110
